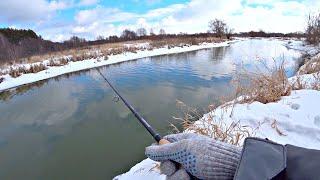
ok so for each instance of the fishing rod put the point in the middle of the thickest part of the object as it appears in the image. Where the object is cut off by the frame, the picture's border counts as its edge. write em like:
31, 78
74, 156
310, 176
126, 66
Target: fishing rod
153, 133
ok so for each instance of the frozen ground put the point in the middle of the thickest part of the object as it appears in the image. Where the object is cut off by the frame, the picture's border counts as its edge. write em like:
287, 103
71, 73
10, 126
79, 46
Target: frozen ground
53, 71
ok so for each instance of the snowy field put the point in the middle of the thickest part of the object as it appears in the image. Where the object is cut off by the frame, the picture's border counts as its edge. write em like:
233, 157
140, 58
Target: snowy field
54, 71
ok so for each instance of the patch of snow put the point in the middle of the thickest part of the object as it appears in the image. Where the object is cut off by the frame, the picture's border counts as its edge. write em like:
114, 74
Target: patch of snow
54, 71
146, 169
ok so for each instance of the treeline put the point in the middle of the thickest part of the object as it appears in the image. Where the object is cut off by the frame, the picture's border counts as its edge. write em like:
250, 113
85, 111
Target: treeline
264, 34
14, 35
16, 44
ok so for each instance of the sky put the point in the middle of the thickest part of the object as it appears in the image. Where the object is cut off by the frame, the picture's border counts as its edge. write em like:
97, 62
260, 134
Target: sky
58, 20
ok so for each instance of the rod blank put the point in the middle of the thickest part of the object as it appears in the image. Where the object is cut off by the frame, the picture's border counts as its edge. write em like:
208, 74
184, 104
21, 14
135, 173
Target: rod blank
153, 133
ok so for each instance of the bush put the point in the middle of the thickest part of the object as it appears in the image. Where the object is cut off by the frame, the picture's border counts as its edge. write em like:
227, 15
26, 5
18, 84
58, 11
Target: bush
313, 29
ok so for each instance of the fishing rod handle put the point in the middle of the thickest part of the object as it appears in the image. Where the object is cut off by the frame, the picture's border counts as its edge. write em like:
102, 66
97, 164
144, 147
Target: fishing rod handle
164, 141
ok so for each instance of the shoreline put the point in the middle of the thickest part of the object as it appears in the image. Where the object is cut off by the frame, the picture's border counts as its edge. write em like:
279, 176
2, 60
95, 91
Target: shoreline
54, 71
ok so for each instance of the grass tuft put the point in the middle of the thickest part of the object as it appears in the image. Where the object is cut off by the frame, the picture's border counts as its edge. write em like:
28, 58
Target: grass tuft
212, 125
263, 87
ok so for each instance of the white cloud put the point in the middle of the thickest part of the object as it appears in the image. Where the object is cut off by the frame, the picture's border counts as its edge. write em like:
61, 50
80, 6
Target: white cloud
88, 2
107, 15
190, 17
24, 11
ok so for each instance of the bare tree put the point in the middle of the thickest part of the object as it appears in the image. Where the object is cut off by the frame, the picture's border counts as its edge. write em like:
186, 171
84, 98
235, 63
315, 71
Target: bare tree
313, 29
228, 32
162, 32
151, 32
99, 38
128, 34
218, 27
141, 32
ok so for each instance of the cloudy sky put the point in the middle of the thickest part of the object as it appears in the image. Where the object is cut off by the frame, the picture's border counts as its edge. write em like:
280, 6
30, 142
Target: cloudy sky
57, 20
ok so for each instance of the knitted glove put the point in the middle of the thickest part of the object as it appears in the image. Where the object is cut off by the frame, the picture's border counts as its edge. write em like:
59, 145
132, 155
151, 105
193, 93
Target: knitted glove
201, 156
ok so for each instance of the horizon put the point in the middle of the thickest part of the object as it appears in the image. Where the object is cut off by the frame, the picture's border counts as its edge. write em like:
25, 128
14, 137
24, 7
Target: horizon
59, 20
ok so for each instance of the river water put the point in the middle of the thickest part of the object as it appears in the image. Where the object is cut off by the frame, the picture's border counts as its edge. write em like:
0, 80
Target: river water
70, 127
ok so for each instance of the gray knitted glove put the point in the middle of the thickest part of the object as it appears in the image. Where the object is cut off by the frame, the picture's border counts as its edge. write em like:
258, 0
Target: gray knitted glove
201, 156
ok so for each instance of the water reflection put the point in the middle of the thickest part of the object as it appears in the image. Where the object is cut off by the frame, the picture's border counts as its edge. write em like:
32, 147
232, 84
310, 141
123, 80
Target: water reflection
69, 127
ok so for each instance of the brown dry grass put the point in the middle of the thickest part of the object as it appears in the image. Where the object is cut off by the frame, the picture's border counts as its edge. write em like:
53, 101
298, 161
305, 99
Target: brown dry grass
298, 84
316, 84
263, 87
104, 48
181, 42
16, 72
212, 125
311, 66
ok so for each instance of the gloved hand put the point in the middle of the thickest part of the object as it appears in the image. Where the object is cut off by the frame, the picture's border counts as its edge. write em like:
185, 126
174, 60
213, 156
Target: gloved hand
201, 156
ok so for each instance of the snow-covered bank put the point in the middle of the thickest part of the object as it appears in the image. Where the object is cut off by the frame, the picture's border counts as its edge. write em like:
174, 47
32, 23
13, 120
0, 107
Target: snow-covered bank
295, 119
53, 71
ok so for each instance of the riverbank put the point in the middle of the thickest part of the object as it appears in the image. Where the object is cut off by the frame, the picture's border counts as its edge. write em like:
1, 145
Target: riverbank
294, 119
8, 82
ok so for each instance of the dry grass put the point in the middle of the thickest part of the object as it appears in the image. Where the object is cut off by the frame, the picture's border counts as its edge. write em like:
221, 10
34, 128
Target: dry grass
181, 42
16, 72
105, 49
298, 84
316, 83
263, 87
311, 66
213, 125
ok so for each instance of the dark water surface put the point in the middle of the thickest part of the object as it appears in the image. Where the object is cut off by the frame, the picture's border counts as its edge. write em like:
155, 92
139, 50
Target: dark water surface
69, 127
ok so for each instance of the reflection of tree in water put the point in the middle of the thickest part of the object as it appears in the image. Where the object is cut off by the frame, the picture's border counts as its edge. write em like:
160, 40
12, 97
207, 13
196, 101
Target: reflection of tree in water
9, 94
218, 53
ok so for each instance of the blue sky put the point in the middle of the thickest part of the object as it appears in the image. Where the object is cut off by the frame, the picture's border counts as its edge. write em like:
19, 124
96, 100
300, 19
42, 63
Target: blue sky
57, 20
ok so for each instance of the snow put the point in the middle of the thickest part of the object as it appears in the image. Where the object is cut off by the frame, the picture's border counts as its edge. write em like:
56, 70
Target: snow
301, 46
146, 169
54, 71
